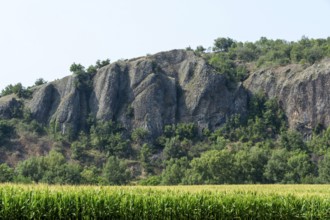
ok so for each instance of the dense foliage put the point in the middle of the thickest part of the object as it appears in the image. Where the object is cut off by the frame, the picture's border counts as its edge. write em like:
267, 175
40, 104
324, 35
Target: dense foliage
190, 202
18, 90
256, 147
235, 58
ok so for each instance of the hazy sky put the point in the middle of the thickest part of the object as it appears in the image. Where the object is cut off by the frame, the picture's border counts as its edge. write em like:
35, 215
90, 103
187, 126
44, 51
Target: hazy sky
42, 38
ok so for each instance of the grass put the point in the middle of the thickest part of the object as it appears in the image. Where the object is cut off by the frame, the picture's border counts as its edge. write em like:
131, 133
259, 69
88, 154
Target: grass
163, 202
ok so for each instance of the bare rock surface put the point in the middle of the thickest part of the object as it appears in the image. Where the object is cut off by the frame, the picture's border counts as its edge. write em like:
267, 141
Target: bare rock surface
147, 92
302, 92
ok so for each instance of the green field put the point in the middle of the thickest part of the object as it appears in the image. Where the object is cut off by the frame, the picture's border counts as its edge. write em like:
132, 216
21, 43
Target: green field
177, 202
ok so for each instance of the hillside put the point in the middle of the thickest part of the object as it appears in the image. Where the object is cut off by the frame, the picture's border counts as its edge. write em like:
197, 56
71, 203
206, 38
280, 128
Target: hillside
179, 116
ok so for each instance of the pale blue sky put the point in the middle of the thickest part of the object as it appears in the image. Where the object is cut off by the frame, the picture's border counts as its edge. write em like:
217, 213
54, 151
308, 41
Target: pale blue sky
42, 38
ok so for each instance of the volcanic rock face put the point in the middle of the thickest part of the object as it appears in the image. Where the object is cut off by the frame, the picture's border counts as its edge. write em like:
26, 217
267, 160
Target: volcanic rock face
304, 93
148, 92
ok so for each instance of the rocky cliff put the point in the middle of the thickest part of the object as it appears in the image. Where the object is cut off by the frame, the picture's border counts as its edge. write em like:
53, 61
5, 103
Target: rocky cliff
177, 86
303, 92
148, 92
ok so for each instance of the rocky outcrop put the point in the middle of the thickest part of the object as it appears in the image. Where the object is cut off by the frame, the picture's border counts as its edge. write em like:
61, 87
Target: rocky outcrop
173, 87
60, 102
10, 106
148, 92
304, 93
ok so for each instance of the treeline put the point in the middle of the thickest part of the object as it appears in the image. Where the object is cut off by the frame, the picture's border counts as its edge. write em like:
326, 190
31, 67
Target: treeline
20, 91
257, 148
231, 57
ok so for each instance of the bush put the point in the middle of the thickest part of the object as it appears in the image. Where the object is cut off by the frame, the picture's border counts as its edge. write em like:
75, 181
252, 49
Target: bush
6, 173
18, 90
114, 172
40, 82
6, 131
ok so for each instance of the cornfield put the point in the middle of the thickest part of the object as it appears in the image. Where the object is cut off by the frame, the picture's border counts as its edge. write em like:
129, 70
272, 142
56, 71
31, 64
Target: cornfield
178, 202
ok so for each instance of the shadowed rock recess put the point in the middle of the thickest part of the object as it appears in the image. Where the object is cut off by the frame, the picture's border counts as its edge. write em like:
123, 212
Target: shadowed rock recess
148, 92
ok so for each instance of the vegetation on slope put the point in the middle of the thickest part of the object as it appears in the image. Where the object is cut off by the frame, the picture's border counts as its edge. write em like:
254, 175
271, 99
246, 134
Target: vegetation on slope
253, 148
236, 59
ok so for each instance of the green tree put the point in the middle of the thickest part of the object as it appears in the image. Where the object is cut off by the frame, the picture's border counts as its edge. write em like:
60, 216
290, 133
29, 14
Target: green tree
182, 131
77, 68
292, 140
213, 167
320, 142
12, 89
145, 154
51, 169
6, 173
222, 44
99, 64
114, 172
31, 170
250, 165
176, 148
71, 173
297, 52
91, 69
174, 171
79, 147
313, 54
324, 168
54, 168
102, 63
186, 131
139, 135
151, 181
40, 82
17, 89
108, 137
277, 166
200, 50
223, 64
300, 168
247, 52
90, 175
